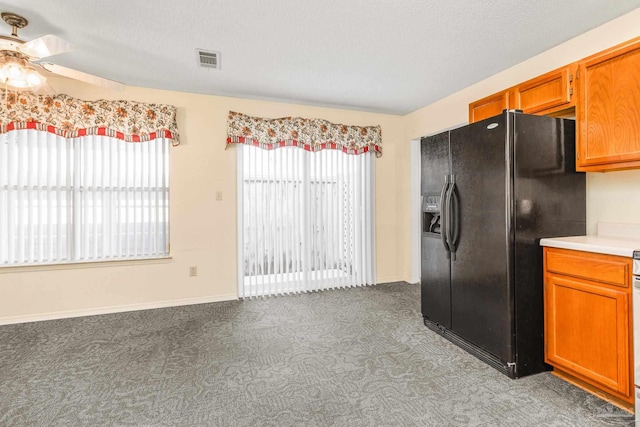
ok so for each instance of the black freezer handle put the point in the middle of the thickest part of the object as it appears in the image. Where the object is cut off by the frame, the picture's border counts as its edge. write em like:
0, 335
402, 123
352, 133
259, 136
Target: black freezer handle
453, 217
444, 223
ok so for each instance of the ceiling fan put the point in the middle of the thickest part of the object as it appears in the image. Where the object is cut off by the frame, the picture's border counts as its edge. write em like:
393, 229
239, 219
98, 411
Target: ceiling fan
18, 68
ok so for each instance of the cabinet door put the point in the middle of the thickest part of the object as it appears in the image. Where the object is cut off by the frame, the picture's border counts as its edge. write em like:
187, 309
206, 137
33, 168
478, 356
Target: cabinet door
490, 106
547, 93
608, 112
587, 332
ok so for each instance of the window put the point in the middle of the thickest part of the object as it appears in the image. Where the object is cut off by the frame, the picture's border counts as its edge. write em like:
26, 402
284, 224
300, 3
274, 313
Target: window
88, 198
306, 220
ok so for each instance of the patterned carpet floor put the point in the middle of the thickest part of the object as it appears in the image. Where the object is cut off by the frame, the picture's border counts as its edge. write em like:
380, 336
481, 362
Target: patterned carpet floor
354, 357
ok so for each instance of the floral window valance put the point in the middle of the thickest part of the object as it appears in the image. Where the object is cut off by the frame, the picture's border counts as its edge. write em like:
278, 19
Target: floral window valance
310, 134
70, 117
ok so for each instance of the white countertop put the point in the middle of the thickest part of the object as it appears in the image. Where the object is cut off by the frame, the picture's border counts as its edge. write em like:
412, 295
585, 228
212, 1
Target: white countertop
610, 245
612, 238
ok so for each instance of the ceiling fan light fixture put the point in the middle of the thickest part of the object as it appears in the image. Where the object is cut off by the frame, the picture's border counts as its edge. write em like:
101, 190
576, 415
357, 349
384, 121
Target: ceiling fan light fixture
18, 69
15, 72
34, 78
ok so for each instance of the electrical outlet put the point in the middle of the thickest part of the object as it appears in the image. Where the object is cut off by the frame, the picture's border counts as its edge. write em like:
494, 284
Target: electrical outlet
193, 270
218, 195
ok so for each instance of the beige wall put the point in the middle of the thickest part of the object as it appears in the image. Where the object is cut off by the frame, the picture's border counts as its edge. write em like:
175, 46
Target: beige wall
203, 230
613, 197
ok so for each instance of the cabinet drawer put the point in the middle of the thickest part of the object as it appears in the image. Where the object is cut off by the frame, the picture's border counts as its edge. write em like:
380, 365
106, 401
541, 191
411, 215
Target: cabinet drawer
609, 269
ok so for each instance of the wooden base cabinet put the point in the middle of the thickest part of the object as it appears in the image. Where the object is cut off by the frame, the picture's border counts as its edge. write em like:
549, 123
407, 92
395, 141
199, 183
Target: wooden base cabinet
588, 323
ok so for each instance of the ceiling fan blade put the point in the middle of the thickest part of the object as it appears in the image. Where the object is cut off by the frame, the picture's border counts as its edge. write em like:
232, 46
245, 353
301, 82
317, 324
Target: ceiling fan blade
44, 46
83, 77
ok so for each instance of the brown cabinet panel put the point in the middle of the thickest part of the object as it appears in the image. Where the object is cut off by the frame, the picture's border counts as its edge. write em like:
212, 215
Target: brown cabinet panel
490, 106
550, 91
608, 113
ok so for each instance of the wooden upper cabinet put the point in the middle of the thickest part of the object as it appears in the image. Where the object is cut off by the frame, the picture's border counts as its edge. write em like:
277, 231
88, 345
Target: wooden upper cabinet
608, 114
547, 93
490, 106
602, 91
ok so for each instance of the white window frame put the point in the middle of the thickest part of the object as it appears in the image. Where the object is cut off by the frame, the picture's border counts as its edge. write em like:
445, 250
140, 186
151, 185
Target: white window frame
74, 191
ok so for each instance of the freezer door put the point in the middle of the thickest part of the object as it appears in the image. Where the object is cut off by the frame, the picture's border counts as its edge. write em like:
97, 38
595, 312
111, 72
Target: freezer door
480, 285
435, 266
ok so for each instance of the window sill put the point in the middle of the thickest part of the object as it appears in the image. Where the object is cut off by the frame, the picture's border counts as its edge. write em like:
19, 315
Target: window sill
83, 264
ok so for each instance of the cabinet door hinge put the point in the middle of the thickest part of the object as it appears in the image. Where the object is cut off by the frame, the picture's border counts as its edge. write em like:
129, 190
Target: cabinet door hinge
577, 74
570, 91
570, 77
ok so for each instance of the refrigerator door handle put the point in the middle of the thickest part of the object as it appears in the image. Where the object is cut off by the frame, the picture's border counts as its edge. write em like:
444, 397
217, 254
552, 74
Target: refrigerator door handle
444, 223
452, 218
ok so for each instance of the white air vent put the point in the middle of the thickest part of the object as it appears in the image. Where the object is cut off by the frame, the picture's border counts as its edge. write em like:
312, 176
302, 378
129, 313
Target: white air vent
208, 59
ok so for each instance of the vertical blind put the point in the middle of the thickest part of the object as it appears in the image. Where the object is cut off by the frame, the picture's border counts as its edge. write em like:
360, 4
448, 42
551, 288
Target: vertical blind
306, 220
88, 198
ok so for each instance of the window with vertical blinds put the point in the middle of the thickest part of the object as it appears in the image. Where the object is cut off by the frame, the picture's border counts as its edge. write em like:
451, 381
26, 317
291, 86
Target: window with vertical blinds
88, 198
305, 220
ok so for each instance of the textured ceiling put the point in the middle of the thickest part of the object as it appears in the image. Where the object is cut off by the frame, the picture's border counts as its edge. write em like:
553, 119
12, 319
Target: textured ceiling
372, 55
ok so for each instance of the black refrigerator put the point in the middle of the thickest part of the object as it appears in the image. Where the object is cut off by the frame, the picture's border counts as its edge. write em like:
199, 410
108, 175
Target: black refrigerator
490, 191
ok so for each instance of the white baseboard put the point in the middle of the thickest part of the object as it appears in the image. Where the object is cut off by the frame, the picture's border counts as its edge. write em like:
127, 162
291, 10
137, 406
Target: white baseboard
114, 309
380, 280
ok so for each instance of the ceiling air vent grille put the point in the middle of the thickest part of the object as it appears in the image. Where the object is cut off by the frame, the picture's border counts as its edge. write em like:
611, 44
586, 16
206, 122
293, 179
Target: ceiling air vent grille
209, 59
